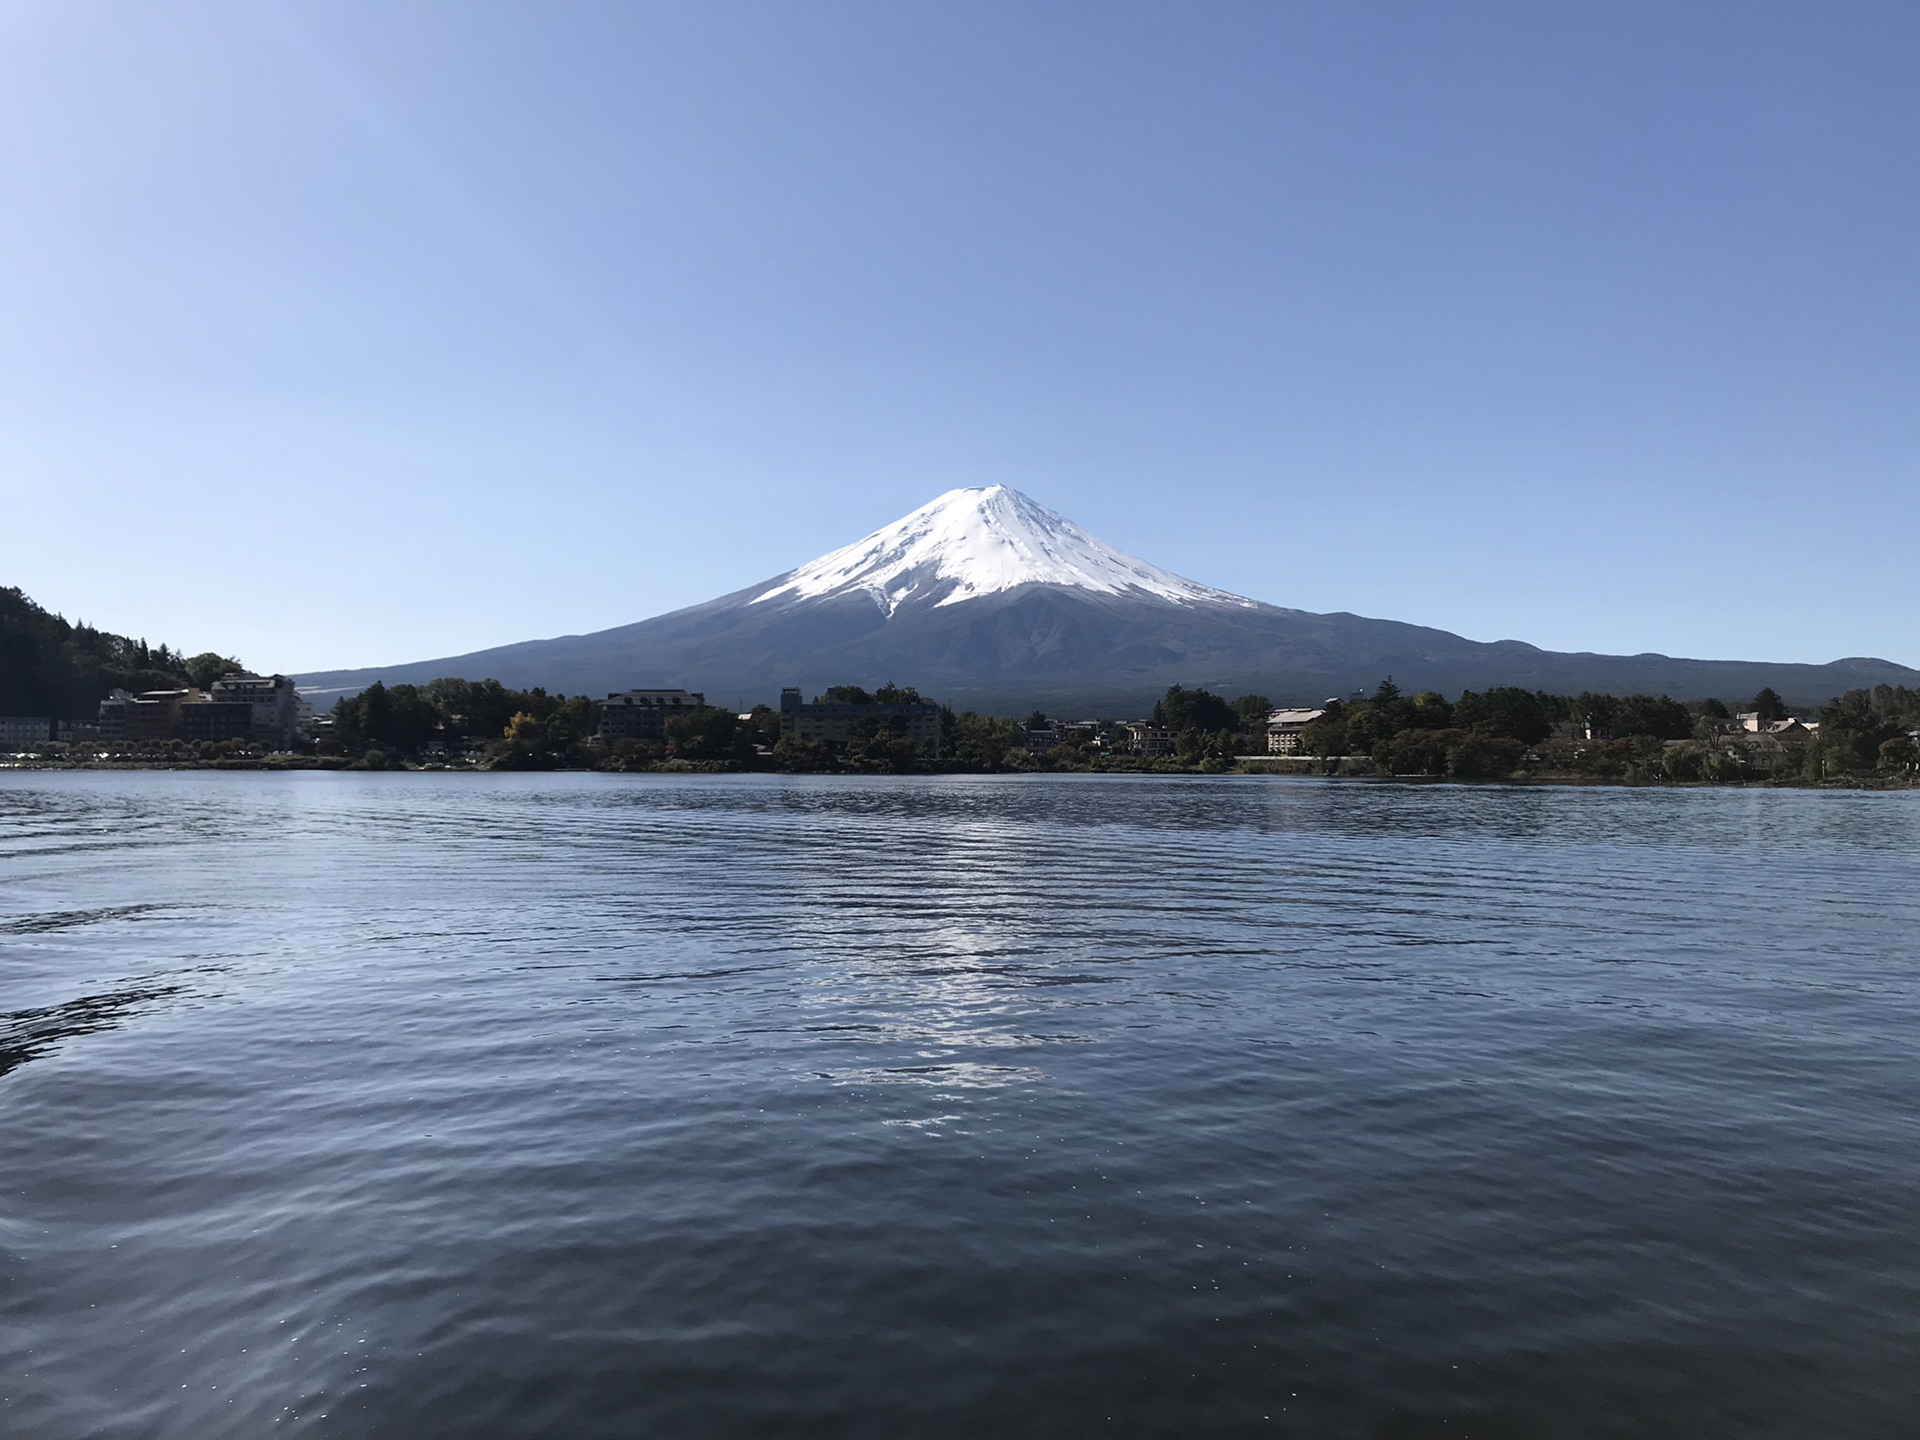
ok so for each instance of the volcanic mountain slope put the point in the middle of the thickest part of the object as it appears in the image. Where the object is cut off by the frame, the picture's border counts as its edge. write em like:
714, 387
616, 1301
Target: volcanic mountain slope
985, 599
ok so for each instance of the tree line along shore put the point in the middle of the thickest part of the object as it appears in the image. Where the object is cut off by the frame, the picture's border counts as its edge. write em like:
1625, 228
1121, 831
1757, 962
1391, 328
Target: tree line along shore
1865, 737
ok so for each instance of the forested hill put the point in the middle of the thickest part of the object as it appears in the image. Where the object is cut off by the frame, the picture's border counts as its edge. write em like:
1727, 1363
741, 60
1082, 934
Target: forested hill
49, 666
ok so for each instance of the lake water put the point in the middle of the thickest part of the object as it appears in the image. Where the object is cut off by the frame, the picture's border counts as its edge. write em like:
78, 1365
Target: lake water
579, 1105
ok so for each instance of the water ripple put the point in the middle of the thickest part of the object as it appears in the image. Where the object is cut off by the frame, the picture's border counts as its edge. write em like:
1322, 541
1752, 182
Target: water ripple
615, 1105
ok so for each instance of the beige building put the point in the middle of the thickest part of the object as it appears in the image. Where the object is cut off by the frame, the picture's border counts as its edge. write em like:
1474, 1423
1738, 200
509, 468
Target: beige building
1284, 728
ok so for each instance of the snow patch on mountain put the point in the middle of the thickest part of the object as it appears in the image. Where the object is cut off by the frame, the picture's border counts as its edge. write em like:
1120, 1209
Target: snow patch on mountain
975, 542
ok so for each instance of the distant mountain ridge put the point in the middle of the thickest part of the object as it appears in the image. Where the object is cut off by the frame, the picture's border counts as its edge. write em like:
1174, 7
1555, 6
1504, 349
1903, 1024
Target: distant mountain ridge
988, 600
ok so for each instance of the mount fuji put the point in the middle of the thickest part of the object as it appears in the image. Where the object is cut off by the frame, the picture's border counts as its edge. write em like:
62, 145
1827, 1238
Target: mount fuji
972, 543
985, 599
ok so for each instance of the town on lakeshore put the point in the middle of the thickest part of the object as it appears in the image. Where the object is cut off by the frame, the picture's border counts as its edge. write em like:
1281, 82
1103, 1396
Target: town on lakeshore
74, 696
242, 720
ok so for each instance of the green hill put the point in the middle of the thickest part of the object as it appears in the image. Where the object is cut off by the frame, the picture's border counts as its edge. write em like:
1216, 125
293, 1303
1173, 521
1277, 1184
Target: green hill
49, 666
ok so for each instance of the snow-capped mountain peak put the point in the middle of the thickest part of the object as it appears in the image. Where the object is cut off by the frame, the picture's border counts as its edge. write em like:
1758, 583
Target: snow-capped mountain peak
975, 542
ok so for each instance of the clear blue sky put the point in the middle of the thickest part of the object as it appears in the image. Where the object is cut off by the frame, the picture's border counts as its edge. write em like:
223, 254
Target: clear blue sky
351, 333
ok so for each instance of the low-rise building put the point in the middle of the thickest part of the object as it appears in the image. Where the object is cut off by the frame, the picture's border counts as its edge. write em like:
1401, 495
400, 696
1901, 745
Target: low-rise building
1050, 737
17, 731
1750, 721
841, 722
1285, 727
1151, 739
1768, 745
643, 714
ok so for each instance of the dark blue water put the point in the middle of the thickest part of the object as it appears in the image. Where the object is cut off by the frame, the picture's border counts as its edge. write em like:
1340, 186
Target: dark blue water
722, 1106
